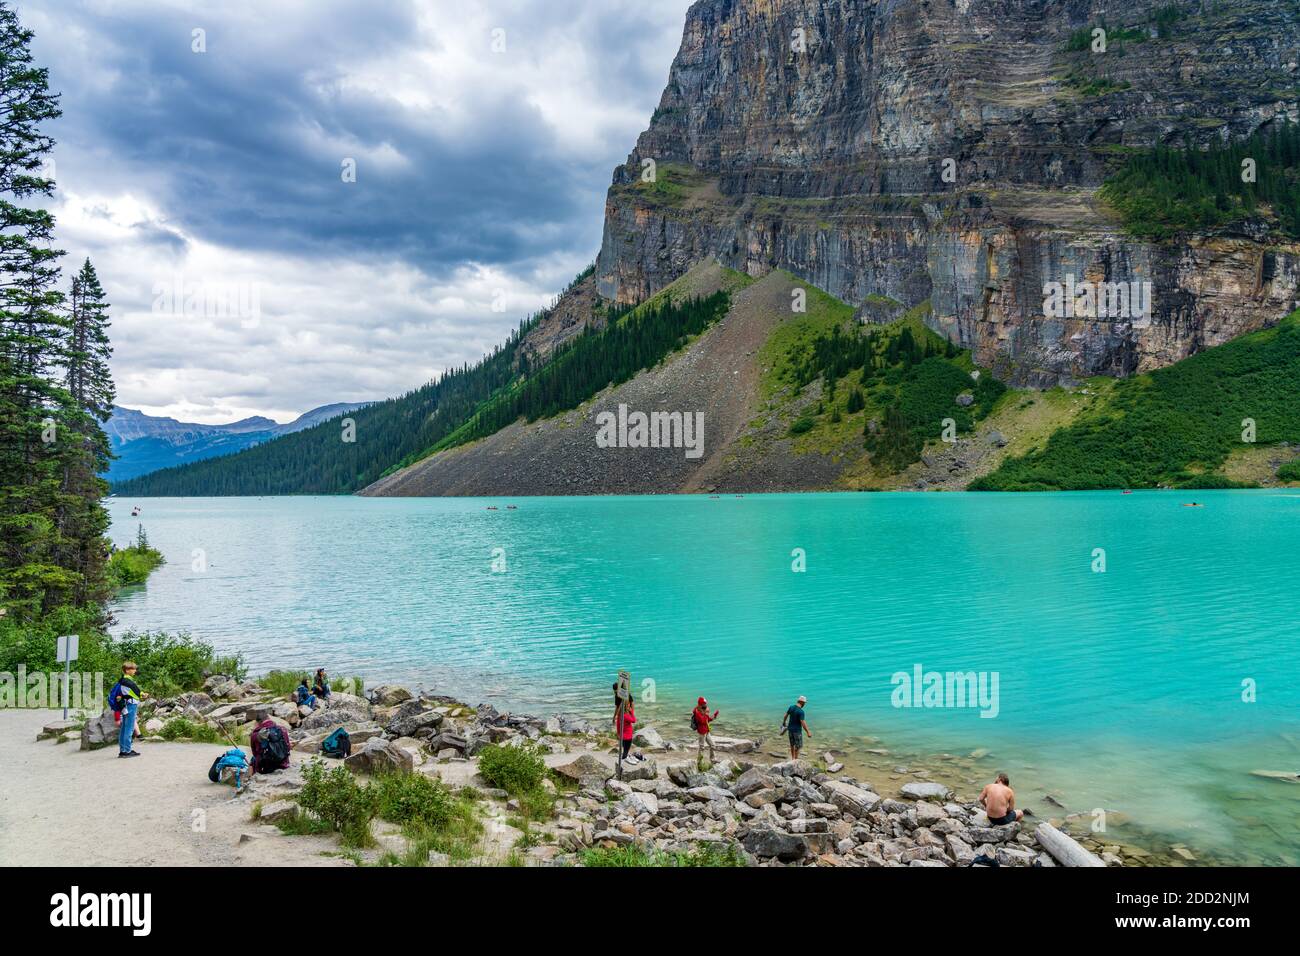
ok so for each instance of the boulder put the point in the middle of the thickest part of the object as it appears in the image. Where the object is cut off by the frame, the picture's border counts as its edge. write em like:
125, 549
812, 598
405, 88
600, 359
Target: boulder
634, 804
751, 781
928, 814
99, 731
341, 710
854, 801
648, 737
796, 768
194, 700
583, 768
153, 726
412, 717
57, 728
389, 695
769, 843
379, 755
926, 791
644, 769
278, 810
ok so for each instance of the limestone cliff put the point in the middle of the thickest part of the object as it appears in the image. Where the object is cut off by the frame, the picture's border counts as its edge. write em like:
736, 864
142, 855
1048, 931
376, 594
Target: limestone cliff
814, 136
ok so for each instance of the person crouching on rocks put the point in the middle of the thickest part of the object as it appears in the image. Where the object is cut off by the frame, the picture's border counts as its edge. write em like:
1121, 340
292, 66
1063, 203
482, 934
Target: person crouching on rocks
796, 726
999, 802
700, 721
321, 686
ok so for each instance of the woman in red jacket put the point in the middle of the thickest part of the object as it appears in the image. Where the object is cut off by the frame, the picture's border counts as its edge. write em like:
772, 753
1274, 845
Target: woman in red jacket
700, 720
628, 730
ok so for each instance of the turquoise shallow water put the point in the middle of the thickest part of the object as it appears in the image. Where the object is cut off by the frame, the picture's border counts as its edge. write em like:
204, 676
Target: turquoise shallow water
1120, 689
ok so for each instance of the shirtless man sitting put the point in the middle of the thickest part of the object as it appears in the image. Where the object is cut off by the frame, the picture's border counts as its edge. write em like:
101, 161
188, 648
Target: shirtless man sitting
999, 802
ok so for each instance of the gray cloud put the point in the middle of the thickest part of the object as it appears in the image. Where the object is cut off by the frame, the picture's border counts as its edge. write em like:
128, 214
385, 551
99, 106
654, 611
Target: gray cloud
483, 134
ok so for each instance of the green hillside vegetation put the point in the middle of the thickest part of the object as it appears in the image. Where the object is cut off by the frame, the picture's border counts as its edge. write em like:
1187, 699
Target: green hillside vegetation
894, 384
1164, 192
1174, 426
593, 361
319, 461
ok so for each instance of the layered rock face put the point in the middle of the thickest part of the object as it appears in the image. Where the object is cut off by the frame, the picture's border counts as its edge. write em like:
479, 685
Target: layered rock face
948, 152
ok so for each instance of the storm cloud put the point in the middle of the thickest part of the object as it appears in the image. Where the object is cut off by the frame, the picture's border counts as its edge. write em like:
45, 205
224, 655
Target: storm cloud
205, 159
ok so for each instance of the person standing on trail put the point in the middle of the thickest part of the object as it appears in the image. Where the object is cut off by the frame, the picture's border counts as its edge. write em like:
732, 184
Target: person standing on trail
124, 700
700, 721
796, 726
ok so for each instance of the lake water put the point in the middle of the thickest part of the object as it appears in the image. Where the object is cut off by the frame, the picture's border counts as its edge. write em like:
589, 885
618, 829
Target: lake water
1120, 689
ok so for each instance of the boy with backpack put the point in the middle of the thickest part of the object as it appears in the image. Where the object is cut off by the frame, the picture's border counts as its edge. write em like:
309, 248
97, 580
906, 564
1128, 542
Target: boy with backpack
700, 721
271, 746
124, 700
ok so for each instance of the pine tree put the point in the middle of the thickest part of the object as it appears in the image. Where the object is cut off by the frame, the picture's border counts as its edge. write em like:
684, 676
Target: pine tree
30, 335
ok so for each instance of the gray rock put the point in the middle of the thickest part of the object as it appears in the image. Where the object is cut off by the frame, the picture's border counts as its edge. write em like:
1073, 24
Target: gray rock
925, 791
99, 731
751, 781
379, 755
770, 843
855, 801
648, 737
389, 695
584, 767
644, 769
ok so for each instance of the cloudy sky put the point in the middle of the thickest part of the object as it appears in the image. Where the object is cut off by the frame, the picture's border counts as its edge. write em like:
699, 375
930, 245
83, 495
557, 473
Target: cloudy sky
204, 175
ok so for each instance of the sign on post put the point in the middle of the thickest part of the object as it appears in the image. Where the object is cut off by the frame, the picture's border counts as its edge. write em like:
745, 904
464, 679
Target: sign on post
67, 653
67, 649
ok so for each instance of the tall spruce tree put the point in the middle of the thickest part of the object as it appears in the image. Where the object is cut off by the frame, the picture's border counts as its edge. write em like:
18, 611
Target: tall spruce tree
85, 452
51, 517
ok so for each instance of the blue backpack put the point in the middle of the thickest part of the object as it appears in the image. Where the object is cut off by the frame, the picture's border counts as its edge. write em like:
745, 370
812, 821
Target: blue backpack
235, 759
337, 744
115, 697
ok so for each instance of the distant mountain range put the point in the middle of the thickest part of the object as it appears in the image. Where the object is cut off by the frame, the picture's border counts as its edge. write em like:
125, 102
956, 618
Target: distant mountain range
145, 443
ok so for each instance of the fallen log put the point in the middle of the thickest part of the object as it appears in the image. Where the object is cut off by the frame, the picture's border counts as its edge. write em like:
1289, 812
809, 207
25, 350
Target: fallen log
1064, 849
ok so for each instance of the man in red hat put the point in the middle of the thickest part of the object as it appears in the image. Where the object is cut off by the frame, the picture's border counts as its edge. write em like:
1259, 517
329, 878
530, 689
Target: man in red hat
700, 721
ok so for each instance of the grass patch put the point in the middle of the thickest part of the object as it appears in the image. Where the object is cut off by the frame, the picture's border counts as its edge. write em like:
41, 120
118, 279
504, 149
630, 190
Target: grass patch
339, 800
716, 855
182, 728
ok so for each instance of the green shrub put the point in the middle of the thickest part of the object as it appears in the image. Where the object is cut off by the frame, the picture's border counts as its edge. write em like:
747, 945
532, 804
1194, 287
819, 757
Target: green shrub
336, 797
414, 798
1290, 471
516, 770
800, 425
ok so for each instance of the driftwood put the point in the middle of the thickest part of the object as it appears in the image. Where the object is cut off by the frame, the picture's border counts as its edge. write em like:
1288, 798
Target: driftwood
1063, 847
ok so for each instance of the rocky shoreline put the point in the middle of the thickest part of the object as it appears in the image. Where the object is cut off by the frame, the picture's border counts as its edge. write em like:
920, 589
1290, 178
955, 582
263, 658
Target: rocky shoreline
782, 812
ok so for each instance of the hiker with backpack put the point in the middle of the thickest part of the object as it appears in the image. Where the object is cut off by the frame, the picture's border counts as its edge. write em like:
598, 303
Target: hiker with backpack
700, 721
124, 700
271, 746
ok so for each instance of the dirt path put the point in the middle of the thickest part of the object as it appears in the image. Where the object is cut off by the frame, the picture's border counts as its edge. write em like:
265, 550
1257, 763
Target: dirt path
60, 806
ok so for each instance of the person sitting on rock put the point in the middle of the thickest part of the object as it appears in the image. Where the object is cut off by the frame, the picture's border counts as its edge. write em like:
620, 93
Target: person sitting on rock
304, 696
999, 802
700, 721
321, 688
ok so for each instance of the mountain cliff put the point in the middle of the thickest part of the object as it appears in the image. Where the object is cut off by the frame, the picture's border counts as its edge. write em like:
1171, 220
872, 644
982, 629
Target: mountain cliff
895, 152
894, 209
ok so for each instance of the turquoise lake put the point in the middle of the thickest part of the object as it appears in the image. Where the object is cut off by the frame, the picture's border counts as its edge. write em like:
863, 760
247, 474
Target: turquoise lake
1120, 689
